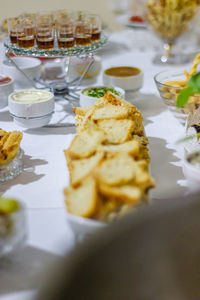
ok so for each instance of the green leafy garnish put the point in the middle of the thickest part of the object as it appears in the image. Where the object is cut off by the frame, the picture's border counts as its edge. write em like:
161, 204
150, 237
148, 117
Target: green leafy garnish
8, 206
193, 87
99, 92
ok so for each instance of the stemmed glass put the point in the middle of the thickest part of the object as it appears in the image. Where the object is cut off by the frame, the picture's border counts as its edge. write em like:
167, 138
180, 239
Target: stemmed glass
169, 20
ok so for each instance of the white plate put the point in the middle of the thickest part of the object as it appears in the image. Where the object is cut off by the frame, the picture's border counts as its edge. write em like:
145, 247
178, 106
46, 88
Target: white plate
124, 20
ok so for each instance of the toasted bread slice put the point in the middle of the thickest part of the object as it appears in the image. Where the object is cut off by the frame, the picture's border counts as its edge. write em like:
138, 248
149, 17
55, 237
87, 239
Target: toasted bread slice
82, 111
117, 170
118, 131
125, 193
82, 201
9, 146
110, 111
110, 98
81, 168
131, 147
85, 143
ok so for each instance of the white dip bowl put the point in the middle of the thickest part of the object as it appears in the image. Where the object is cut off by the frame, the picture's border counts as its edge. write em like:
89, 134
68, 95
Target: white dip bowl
31, 108
86, 100
6, 88
30, 66
124, 78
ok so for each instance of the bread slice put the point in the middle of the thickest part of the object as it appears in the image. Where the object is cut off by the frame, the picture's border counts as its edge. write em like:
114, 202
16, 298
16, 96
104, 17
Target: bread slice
131, 147
85, 143
82, 111
9, 146
118, 131
117, 170
125, 193
81, 168
110, 98
110, 111
82, 201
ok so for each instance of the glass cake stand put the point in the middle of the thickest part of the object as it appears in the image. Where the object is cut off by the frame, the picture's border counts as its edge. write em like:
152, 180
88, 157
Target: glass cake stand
63, 88
56, 52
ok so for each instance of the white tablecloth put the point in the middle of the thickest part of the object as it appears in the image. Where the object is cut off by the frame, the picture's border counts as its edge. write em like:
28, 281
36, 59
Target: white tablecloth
45, 174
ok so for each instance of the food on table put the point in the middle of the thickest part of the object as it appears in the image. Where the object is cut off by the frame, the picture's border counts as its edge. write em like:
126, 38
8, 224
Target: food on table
122, 71
31, 108
99, 92
169, 19
194, 159
66, 28
9, 145
136, 19
4, 80
31, 96
7, 207
108, 160
173, 88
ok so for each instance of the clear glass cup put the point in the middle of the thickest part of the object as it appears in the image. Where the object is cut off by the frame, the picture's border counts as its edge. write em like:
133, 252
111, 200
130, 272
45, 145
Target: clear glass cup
45, 31
65, 30
26, 33
95, 21
13, 26
83, 33
13, 231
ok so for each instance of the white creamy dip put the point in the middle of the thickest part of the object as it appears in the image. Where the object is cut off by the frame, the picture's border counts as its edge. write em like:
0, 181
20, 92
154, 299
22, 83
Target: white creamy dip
32, 96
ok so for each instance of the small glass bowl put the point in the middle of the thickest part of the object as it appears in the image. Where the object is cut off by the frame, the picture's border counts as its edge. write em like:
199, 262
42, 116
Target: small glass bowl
169, 94
13, 232
12, 169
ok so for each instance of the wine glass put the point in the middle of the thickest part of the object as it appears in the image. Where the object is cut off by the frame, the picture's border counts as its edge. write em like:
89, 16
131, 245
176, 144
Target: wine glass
169, 20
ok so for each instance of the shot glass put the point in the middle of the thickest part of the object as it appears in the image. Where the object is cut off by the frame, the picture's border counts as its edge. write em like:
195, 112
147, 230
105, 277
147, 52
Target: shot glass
65, 34
83, 33
45, 32
26, 33
95, 21
13, 25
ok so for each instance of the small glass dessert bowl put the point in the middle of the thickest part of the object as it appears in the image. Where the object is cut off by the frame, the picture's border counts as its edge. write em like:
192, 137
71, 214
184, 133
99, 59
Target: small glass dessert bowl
13, 230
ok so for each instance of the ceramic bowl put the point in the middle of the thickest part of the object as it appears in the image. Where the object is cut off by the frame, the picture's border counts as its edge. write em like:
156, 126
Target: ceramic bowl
88, 100
130, 83
29, 113
83, 227
5, 90
30, 66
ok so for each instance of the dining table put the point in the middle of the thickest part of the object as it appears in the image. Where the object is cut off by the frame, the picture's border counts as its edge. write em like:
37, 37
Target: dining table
45, 175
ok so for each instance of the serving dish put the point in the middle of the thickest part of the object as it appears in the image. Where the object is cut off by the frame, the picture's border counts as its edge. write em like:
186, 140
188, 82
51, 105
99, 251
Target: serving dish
169, 94
30, 66
31, 108
125, 77
124, 20
13, 168
6, 88
87, 100
13, 231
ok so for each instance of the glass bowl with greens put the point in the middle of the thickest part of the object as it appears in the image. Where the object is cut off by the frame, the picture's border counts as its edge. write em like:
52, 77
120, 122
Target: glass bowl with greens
180, 94
89, 95
13, 230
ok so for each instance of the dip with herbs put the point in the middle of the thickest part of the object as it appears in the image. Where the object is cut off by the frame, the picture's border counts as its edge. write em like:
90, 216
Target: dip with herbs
99, 92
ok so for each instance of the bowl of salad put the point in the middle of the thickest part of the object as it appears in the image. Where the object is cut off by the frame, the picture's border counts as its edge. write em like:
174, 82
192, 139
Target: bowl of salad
89, 95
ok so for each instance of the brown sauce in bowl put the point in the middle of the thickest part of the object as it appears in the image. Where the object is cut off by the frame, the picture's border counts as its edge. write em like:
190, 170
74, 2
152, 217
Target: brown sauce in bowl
122, 71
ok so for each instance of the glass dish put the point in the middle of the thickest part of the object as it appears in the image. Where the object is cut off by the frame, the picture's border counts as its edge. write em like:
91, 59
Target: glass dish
56, 52
13, 231
12, 169
169, 94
